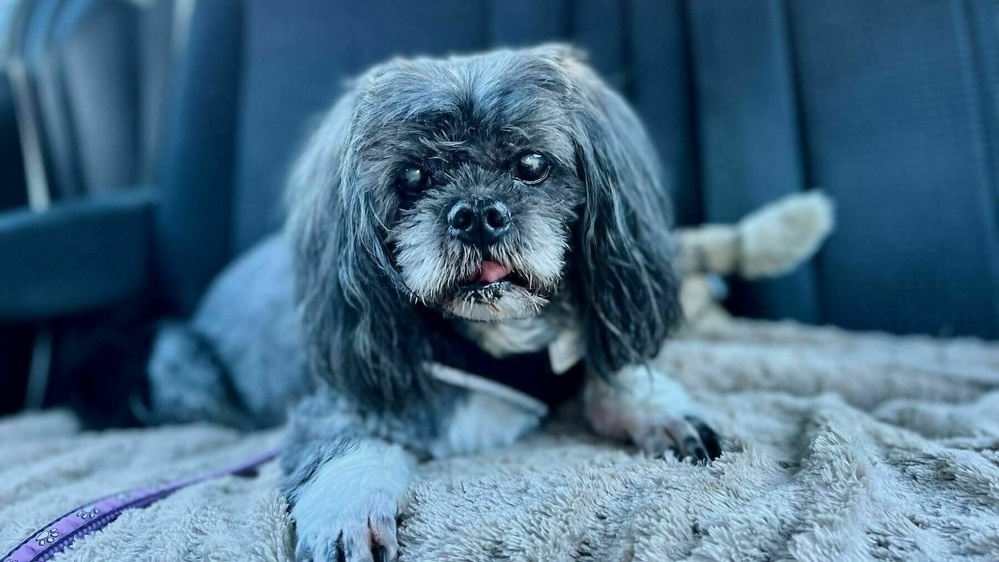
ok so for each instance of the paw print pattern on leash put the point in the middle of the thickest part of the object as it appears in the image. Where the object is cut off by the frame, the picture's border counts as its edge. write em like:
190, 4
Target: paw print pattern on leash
89, 513
47, 537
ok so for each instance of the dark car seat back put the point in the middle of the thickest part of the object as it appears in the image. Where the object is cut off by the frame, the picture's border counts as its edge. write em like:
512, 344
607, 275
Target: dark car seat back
91, 77
889, 106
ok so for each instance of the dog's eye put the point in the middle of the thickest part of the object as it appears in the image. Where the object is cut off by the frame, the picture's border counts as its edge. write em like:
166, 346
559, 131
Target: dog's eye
532, 168
413, 180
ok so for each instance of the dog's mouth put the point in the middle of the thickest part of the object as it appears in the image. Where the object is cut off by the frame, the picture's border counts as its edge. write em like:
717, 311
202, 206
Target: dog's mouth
494, 291
492, 275
488, 272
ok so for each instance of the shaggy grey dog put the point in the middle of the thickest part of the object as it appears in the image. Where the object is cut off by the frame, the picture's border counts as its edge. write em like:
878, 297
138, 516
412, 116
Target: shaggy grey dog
470, 241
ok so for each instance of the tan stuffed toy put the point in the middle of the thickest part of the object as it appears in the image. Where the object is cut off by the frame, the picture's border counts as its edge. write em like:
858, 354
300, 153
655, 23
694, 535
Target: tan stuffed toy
769, 242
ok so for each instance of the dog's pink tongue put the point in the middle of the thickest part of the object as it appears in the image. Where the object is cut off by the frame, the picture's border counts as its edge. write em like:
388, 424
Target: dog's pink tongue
491, 271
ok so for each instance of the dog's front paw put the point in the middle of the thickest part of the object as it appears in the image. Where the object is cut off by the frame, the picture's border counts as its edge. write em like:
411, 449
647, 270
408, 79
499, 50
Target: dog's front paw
345, 509
358, 529
655, 412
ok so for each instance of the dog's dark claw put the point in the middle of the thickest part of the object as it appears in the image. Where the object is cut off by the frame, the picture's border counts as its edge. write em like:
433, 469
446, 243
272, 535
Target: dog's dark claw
381, 554
685, 438
708, 437
692, 448
341, 549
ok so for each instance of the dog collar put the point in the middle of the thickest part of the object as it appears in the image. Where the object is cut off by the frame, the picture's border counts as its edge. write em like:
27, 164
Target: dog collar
538, 381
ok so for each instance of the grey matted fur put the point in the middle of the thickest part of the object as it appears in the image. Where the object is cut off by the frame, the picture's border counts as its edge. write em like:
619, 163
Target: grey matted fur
441, 201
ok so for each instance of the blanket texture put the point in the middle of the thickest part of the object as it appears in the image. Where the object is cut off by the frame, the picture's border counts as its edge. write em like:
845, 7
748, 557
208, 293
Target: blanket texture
839, 447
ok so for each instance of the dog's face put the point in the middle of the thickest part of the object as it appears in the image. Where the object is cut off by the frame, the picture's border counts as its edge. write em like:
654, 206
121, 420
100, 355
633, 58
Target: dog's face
476, 187
473, 167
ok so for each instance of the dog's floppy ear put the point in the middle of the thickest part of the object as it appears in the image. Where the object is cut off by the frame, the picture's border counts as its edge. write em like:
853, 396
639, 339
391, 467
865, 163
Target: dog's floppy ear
356, 322
624, 254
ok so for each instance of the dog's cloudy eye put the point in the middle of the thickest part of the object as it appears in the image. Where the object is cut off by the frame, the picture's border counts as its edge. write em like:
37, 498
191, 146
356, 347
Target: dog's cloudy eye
413, 180
532, 168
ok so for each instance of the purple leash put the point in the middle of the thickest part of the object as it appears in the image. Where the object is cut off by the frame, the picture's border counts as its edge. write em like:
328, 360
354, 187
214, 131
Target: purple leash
59, 534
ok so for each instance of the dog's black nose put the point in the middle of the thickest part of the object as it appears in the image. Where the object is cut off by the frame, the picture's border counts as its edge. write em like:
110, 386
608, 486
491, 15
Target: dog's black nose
482, 222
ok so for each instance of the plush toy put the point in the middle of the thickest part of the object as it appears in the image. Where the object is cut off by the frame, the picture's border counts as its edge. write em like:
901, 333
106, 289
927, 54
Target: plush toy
768, 242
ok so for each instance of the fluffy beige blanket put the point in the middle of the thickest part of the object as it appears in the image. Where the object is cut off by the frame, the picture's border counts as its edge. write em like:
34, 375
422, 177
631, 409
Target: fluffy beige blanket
840, 447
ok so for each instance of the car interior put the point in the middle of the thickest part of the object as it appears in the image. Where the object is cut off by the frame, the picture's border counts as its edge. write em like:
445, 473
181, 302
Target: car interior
144, 144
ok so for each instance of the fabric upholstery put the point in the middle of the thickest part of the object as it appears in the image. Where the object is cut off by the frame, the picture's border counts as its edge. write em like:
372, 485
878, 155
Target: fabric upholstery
75, 257
888, 106
896, 130
197, 164
95, 73
13, 191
